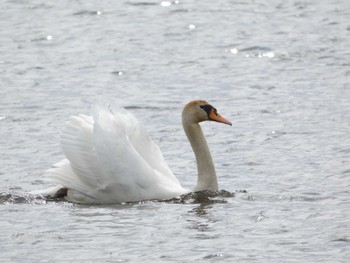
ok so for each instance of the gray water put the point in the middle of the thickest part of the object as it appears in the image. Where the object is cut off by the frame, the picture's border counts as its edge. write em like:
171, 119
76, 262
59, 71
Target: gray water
279, 70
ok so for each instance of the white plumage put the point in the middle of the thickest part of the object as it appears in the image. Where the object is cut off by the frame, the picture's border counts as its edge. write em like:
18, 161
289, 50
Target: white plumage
111, 159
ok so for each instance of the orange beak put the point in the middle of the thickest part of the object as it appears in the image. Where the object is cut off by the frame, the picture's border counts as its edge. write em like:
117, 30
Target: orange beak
214, 116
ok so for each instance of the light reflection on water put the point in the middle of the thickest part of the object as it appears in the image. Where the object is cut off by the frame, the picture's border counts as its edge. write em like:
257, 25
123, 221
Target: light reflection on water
278, 70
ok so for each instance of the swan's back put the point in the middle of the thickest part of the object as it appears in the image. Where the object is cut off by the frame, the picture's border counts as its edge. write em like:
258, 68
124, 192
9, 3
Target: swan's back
111, 159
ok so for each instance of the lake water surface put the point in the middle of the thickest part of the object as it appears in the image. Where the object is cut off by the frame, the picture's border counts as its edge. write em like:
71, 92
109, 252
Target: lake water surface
279, 70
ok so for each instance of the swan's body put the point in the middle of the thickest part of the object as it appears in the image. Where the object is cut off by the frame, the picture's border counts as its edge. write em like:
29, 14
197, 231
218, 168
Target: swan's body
111, 159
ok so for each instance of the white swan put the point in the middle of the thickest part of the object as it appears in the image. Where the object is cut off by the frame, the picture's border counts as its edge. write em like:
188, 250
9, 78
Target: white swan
111, 159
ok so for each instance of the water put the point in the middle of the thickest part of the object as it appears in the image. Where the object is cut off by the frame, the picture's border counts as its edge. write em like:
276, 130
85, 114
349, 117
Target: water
279, 70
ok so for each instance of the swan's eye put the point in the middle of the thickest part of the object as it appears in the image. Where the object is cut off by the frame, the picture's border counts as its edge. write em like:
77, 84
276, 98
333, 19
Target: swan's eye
207, 108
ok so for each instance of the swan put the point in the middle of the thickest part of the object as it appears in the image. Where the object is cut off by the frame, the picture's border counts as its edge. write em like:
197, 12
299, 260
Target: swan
111, 159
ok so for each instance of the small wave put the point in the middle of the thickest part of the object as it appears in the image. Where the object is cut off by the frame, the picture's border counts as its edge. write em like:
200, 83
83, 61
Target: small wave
10, 198
256, 48
307, 197
180, 11
199, 197
342, 239
142, 3
137, 107
253, 51
87, 13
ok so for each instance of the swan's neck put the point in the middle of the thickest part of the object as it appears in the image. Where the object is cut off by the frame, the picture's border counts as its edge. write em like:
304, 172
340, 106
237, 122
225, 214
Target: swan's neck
205, 166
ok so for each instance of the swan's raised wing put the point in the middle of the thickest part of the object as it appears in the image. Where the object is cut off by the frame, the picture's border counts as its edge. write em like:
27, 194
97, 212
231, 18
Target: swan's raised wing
147, 149
112, 159
76, 144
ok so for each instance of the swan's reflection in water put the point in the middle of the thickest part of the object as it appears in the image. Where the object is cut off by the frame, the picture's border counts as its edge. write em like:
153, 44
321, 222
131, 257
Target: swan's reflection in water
200, 218
206, 197
202, 209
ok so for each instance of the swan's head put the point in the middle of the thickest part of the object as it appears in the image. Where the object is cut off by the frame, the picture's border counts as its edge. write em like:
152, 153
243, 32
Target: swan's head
200, 110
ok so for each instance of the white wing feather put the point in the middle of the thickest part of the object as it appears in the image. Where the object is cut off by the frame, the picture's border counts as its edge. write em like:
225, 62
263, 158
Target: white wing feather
111, 158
